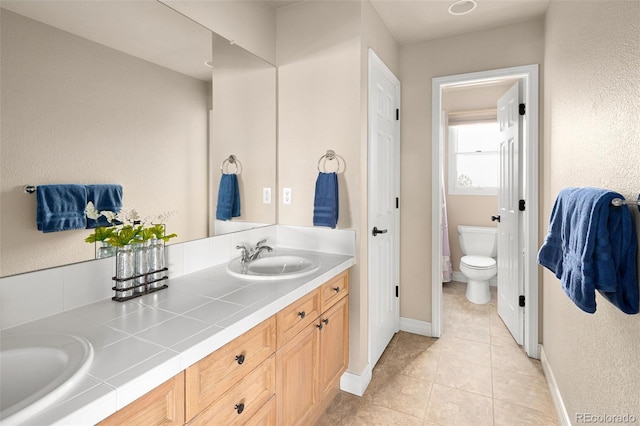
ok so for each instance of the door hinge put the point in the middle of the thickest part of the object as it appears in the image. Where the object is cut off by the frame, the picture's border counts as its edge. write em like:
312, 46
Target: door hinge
397, 202
397, 114
397, 291
521, 205
521, 109
521, 301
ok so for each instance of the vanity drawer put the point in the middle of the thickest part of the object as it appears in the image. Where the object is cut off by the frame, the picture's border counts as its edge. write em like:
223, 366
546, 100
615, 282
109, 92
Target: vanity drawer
244, 400
295, 317
334, 290
210, 378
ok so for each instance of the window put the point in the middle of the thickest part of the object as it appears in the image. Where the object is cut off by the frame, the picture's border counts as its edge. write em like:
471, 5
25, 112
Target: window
473, 155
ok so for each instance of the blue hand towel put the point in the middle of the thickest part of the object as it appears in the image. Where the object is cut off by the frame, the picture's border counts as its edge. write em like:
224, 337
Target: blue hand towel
591, 245
104, 197
60, 207
228, 197
325, 205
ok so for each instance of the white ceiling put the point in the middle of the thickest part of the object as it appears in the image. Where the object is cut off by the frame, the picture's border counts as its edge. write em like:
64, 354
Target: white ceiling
411, 21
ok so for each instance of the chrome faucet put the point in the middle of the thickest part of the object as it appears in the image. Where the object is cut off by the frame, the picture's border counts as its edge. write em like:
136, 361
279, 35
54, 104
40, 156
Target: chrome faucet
248, 255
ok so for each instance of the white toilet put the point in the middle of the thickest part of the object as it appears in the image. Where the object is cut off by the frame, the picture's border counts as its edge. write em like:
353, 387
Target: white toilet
479, 246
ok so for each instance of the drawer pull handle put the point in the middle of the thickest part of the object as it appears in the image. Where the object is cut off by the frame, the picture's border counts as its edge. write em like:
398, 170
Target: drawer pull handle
239, 408
302, 314
336, 289
319, 326
240, 358
326, 321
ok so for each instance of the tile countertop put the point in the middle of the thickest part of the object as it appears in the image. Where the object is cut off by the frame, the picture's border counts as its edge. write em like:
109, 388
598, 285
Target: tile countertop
141, 343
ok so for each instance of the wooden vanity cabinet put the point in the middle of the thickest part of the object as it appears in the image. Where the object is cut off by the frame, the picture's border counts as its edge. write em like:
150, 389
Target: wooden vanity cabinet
162, 406
284, 371
310, 364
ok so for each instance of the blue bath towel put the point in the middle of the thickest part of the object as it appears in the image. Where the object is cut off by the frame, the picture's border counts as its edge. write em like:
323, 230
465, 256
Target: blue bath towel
104, 197
591, 245
228, 197
325, 205
60, 207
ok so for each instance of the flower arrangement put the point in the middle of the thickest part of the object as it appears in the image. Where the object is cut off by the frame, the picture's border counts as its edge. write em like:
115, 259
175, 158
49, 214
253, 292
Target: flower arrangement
126, 227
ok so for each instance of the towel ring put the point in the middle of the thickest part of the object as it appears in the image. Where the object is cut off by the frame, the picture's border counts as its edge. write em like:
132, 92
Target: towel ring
228, 161
330, 155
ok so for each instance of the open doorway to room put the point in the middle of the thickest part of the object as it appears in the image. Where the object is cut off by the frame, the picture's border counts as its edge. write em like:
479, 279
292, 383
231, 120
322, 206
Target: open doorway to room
504, 104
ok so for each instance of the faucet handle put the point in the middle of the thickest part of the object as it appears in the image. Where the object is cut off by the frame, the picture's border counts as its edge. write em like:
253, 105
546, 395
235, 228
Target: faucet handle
259, 243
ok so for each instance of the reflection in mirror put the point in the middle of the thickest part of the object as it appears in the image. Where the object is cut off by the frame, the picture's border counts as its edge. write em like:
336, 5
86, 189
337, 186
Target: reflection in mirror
117, 92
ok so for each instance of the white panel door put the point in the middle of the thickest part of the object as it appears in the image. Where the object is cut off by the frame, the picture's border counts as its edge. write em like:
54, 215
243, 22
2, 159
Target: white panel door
509, 285
384, 187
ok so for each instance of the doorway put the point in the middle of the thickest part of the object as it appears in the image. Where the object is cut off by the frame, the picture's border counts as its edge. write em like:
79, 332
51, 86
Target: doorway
527, 271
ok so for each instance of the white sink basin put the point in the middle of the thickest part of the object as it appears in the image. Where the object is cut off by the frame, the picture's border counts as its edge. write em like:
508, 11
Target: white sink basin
36, 369
273, 267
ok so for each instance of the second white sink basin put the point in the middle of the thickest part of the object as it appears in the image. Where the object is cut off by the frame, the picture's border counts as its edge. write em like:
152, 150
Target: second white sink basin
36, 369
273, 267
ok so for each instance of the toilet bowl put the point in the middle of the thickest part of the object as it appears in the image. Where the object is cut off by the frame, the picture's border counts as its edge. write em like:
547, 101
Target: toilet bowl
479, 246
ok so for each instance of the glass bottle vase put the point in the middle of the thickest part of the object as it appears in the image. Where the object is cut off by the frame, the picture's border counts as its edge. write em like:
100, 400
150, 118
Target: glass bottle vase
156, 262
125, 268
141, 262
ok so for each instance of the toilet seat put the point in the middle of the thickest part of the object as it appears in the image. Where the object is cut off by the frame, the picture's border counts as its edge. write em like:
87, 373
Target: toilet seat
479, 263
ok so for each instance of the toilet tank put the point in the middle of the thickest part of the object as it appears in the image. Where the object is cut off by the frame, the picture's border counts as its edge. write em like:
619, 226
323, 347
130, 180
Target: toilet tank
478, 240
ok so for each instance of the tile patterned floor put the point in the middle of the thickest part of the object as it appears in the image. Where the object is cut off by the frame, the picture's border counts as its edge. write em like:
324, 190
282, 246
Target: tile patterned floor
475, 374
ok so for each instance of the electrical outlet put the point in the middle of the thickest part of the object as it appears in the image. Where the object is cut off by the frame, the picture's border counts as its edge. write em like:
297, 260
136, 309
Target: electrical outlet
286, 196
266, 195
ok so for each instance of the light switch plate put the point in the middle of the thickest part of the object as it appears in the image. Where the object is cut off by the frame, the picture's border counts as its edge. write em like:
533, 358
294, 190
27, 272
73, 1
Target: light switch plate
286, 196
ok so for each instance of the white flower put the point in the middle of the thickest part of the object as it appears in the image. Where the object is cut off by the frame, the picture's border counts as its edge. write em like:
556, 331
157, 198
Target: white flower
128, 215
111, 216
91, 211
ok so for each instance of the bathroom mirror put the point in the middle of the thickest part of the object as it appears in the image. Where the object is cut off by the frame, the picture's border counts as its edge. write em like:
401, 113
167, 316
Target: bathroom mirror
119, 92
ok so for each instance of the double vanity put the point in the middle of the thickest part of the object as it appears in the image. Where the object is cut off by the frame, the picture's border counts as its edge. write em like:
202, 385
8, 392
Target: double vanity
219, 346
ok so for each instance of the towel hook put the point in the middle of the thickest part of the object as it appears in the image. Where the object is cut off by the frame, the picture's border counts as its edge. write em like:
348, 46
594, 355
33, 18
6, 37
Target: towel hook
232, 159
330, 155
29, 189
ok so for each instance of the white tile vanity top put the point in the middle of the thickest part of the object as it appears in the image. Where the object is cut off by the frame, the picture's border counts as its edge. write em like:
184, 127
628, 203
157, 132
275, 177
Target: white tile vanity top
141, 343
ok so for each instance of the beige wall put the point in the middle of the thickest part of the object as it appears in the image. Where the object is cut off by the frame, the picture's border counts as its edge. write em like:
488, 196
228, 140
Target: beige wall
592, 138
244, 124
502, 47
74, 111
248, 23
321, 47
473, 210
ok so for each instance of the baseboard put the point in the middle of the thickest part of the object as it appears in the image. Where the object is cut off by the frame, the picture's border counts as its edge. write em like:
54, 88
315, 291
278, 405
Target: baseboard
458, 276
409, 325
354, 383
561, 410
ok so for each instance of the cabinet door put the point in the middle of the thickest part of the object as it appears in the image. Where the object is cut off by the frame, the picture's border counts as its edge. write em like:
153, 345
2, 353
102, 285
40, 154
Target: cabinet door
266, 416
297, 378
334, 346
162, 406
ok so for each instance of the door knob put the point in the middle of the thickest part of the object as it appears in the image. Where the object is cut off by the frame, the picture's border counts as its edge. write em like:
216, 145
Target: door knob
496, 217
377, 231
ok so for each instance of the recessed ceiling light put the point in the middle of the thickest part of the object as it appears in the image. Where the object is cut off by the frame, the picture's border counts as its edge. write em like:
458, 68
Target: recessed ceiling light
462, 7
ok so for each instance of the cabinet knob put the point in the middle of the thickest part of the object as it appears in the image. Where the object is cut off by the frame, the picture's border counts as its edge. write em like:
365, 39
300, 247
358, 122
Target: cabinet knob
336, 289
302, 314
239, 408
240, 358
320, 326
326, 321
